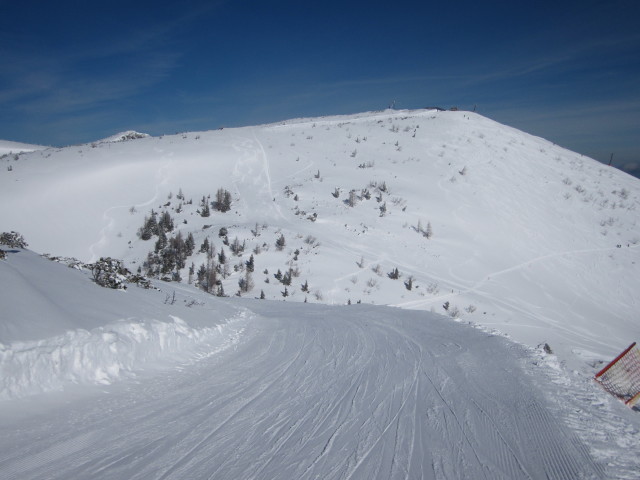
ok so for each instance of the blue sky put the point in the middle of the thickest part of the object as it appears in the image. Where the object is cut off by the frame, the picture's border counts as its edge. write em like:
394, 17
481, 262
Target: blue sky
72, 72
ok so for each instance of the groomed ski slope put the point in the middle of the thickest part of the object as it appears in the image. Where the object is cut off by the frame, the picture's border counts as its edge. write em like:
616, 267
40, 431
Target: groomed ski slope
357, 392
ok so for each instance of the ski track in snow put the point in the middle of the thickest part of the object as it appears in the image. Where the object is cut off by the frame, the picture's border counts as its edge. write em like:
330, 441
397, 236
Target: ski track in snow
476, 286
368, 394
163, 178
251, 176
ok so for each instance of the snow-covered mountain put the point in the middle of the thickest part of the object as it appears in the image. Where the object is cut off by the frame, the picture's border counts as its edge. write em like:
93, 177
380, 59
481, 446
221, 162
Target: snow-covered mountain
446, 212
524, 236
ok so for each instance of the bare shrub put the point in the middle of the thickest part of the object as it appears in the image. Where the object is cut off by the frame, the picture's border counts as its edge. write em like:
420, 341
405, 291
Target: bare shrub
453, 312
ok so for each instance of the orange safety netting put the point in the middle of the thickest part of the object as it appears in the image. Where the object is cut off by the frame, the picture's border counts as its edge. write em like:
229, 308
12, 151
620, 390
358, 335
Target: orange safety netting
622, 376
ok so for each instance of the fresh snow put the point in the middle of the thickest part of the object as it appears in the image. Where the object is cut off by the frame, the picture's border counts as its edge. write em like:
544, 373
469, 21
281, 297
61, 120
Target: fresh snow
529, 242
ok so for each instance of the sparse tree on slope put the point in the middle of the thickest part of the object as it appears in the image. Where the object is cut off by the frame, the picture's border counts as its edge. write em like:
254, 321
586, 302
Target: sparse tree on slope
223, 200
250, 264
13, 240
205, 245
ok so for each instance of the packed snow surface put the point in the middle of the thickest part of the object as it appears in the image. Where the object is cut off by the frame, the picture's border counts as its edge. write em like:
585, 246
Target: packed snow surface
502, 242
315, 392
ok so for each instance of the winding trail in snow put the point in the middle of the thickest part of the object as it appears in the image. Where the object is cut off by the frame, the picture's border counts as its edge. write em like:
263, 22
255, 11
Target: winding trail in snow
252, 177
309, 391
162, 178
487, 278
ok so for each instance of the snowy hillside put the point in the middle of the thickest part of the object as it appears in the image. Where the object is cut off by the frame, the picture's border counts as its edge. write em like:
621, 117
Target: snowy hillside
13, 148
524, 236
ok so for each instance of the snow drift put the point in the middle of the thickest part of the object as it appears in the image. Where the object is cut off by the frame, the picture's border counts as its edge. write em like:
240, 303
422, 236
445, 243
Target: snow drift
59, 328
102, 355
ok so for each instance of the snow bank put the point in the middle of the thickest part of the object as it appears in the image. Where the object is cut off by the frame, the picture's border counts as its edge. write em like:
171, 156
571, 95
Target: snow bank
104, 354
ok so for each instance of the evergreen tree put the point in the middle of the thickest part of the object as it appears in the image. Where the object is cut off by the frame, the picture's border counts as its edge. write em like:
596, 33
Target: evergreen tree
153, 223
250, 264
201, 274
205, 246
178, 249
145, 232
161, 242
166, 222
246, 283
223, 200
149, 227
190, 244
236, 247
175, 276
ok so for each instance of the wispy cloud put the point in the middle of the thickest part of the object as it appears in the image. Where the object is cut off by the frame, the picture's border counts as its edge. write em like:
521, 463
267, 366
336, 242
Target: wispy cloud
60, 80
71, 93
554, 61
